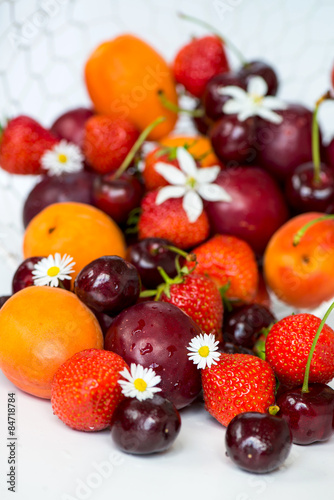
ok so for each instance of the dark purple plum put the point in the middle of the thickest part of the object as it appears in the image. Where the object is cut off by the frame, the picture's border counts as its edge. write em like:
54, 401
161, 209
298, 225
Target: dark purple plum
260, 68
257, 209
143, 427
71, 125
258, 442
117, 197
108, 284
3, 299
310, 415
303, 194
282, 147
146, 255
76, 186
243, 325
156, 335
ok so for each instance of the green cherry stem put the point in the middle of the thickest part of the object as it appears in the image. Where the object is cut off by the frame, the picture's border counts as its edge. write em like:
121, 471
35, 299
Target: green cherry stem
225, 40
135, 148
176, 109
315, 137
314, 343
298, 236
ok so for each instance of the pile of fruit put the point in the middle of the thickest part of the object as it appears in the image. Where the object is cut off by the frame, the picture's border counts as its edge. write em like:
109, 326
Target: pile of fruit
148, 255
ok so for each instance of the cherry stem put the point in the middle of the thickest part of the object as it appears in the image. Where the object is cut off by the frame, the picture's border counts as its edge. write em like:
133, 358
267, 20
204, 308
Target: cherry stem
225, 40
298, 236
314, 343
176, 109
135, 148
315, 137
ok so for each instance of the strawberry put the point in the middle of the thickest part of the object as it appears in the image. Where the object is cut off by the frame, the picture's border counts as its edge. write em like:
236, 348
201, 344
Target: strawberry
288, 345
236, 384
230, 263
107, 141
198, 61
152, 178
197, 296
23, 143
85, 389
170, 221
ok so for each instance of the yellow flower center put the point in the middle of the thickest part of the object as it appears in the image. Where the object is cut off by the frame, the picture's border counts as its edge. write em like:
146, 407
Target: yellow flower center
191, 182
204, 351
62, 158
140, 384
257, 98
53, 271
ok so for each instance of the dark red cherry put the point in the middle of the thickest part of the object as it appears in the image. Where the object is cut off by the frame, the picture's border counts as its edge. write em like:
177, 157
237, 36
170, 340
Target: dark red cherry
104, 320
282, 147
305, 195
213, 101
117, 197
108, 284
243, 325
232, 140
76, 186
23, 276
260, 68
71, 125
149, 254
143, 427
310, 415
257, 209
202, 123
3, 299
156, 335
258, 442
230, 348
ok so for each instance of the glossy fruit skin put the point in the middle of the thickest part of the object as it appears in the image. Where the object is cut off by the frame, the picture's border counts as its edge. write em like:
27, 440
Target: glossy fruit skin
243, 325
310, 415
299, 275
258, 442
146, 255
85, 389
305, 195
260, 68
198, 61
156, 335
282, 147
117, 197
71, 125
108, 284
143, 427
76, 186
255, 212
232, 140
23, 276
288, 362
213, 101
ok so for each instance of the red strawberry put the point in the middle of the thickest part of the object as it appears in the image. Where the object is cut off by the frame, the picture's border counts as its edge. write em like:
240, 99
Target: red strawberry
236, 384
198, 296
152, 178
85, 389
288, 345
23, 143
107, 141
198, 61
170, 221
229, 261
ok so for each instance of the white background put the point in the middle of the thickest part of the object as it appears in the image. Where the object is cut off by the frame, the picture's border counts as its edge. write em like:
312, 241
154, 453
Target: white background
43, 46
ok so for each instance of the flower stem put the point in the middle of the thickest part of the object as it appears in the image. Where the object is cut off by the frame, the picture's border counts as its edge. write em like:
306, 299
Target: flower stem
314, 343
176, 109
298, 236
225, 40
137, 145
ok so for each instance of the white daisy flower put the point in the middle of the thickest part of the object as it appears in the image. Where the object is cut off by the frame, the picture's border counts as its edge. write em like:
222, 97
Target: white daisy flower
64, 157
203, 349
191, 183
140, 383
254, 102
51, 270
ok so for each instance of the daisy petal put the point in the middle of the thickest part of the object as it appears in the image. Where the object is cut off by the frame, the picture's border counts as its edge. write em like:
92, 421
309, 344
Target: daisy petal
208, 174
171, 174
269, 115
186, 162
168, 192
192, 205
257, 85
233, 91
213, 192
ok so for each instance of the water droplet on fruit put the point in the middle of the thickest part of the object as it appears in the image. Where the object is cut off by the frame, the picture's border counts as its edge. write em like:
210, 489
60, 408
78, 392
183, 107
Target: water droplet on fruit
171, 349
147, 349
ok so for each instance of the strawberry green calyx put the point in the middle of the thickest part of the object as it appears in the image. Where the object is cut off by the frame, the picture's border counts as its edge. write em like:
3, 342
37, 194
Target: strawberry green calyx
298, 236
176, 109
135, 148
314, 343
